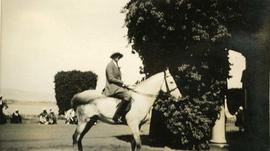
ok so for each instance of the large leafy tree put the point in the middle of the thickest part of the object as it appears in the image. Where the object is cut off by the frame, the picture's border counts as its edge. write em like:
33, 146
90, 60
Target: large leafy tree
164, 32
189, 36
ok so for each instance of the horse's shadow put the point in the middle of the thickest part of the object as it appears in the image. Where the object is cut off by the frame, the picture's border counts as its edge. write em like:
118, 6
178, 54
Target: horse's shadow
146, 140
236, 141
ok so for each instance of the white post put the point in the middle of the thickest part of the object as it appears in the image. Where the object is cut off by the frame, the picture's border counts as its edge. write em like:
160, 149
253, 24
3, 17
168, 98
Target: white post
218, 131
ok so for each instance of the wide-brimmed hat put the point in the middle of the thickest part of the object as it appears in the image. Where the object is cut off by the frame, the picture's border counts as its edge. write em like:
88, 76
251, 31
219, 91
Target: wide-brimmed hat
116, 55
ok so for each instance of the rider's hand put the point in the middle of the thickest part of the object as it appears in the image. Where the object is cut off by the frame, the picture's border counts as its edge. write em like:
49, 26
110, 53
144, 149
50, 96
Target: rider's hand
124, 86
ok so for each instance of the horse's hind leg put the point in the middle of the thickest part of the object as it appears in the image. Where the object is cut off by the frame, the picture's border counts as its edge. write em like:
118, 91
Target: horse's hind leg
78, 135
82, 128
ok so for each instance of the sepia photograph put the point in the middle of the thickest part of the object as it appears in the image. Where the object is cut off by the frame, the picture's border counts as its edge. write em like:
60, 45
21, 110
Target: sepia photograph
138, 75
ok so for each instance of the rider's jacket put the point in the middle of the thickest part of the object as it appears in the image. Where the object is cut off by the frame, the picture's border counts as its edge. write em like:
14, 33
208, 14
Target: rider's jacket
113, 79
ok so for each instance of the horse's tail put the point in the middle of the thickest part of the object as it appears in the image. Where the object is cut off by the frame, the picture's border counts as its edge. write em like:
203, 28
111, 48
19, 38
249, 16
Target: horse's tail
74, 103
83, 98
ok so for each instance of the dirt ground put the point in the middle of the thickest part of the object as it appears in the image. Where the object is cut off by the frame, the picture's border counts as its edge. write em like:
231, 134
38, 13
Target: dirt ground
33, 136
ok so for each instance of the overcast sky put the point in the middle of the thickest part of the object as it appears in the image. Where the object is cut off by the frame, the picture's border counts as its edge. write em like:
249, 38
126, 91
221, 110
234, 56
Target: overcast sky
42, 37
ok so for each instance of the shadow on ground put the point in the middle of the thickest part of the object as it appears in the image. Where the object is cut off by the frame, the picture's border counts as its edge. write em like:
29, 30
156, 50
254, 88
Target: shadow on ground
236, 141
150, 142
146, 140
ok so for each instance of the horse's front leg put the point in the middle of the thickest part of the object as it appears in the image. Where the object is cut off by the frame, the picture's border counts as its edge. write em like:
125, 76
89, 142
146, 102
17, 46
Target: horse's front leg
136, 142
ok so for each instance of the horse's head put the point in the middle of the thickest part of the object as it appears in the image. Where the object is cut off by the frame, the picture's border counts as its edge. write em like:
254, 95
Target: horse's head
169, 85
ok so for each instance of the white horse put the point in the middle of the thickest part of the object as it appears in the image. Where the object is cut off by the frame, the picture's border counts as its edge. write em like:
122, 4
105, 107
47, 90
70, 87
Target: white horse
91, 106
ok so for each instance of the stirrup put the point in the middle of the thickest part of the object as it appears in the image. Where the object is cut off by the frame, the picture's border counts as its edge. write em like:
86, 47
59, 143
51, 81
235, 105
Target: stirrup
118, 120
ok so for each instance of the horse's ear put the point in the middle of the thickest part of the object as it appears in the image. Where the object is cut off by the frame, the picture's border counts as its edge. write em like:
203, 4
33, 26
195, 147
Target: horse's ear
167, 70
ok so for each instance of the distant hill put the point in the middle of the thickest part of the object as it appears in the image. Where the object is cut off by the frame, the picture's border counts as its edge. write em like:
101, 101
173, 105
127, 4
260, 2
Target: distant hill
22, 95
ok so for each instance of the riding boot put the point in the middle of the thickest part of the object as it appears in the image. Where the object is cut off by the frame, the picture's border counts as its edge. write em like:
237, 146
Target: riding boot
126, 107
120, 111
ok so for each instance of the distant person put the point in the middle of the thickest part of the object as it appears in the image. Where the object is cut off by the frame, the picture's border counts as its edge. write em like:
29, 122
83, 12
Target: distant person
3, 109
1, 105
245, 89
51, 117
116, 88
43, 117
240, 119
70, 117
16, 118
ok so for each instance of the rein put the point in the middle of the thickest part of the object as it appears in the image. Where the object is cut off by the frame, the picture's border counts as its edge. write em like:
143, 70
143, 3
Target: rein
141, 93
153, 95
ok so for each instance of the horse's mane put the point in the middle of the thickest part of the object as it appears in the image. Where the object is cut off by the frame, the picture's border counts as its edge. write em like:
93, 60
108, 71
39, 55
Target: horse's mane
143, 80
139, 81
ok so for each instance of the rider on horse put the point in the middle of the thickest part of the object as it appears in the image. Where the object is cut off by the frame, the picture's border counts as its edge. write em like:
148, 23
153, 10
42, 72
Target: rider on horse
116, 88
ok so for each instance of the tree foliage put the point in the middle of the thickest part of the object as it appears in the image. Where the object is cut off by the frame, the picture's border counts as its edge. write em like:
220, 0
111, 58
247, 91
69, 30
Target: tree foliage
68, 83
189, 36
169, 30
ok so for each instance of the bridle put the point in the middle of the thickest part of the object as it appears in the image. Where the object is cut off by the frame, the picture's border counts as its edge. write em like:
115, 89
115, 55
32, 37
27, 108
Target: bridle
168, 91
